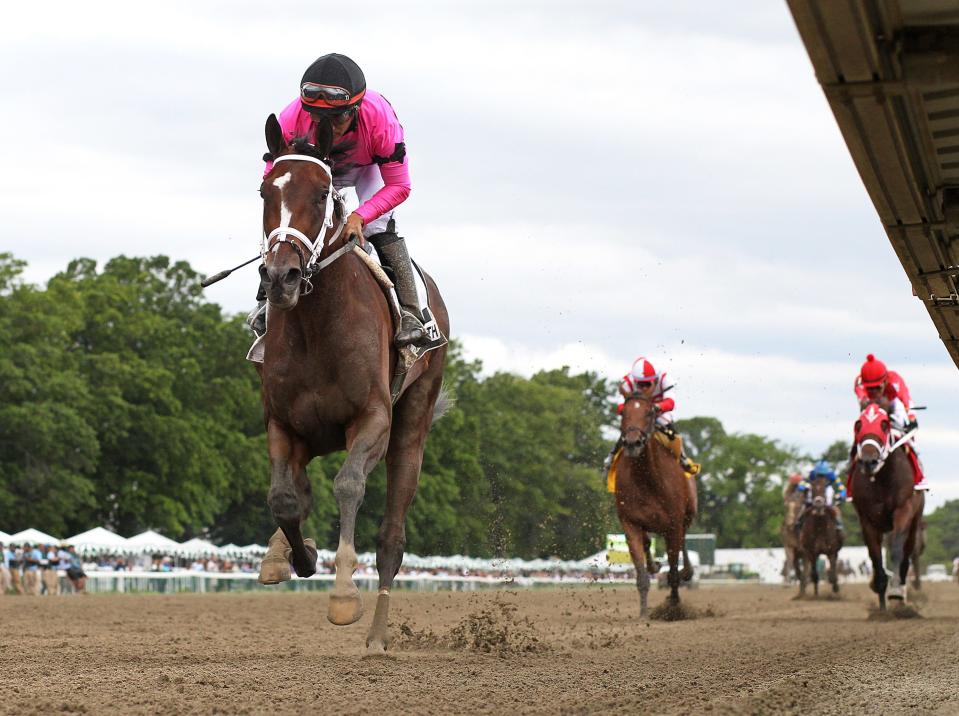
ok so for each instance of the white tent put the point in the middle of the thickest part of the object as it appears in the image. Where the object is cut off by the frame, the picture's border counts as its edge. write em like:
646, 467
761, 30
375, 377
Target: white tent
253, 550
197, 547
151, 542
33, 537
4, 537
98, 540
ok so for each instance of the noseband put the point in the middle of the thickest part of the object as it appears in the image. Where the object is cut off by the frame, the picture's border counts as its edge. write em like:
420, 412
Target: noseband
644, 435
282, 234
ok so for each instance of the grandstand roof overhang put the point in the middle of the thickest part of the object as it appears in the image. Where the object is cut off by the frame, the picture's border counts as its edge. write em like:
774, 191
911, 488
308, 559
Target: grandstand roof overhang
890, 71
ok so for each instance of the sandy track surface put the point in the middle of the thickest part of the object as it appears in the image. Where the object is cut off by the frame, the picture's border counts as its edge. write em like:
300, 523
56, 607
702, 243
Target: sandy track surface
563, 650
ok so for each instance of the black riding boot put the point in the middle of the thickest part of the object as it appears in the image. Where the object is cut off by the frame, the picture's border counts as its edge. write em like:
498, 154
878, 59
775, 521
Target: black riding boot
391, 249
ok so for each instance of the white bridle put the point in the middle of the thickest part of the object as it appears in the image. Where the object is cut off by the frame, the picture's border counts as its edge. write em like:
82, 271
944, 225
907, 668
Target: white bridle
281, 234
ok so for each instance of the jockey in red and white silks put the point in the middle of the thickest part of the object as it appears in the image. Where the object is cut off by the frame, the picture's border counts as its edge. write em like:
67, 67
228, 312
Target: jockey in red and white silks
645, 380
875, 382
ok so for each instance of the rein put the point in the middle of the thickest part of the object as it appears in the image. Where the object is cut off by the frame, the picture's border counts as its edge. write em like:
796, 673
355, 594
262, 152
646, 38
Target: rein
282, 234
885, 450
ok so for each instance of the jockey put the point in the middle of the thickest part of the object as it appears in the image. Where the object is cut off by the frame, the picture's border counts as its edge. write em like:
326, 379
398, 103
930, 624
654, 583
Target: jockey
834, 497
875, 383
369, 155
648, 383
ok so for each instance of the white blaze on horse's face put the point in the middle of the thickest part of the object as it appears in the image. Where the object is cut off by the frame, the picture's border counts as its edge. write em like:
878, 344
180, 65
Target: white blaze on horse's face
285, 214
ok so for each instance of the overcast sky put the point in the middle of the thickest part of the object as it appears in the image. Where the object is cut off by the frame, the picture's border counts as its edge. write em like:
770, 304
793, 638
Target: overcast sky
591, 182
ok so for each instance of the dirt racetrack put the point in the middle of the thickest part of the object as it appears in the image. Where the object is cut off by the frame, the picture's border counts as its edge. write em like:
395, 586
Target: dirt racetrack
560, 650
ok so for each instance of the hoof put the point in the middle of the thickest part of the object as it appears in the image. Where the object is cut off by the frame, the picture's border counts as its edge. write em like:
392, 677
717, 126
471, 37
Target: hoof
375, 646
345, 610
274, 570
307, 569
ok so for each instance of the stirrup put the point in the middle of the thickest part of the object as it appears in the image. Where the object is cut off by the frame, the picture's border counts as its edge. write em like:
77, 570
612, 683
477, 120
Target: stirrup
412, 331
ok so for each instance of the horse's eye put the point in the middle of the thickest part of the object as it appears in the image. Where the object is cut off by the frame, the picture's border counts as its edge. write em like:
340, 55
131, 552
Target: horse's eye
322, 196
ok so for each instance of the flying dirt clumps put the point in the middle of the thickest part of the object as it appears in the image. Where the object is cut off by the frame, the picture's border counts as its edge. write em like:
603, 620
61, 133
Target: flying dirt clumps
902, 611
667, 612
492, 629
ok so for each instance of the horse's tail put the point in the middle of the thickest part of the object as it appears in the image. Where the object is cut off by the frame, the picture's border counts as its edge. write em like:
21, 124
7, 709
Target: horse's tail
444, 402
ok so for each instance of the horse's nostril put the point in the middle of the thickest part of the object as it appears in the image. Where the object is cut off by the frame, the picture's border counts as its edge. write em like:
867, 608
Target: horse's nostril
292, 276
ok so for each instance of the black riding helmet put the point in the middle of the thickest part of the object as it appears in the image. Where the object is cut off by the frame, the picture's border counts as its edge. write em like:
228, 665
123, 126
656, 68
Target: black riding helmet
333, 84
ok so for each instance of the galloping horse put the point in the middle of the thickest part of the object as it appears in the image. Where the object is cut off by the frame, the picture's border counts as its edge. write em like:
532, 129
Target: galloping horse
882, 491
327, 365
794, 501
819, 535
652, 495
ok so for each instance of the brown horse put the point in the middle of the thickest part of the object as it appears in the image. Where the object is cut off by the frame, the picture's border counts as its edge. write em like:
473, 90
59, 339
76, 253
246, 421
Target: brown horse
882, 490
819, 535
327, 364
793, 500
652, 495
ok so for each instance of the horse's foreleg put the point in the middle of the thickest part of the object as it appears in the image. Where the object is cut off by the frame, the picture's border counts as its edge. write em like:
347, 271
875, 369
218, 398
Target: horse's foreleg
834, 571
290, 500
635, 540
873, 539
366, 440
815, 574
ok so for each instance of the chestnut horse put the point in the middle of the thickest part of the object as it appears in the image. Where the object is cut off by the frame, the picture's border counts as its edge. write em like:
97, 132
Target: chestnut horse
819, 535
882, 491
794, 501
327, 364
652, 495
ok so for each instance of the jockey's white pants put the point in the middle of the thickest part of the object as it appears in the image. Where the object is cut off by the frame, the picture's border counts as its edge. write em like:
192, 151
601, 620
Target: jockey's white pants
366, 181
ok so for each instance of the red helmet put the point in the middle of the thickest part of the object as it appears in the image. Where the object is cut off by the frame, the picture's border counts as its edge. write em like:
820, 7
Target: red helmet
643, 371
795, 478
873, 372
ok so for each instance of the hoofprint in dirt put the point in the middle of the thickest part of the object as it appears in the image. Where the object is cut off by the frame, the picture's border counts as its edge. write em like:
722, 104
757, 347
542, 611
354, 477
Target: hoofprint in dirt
560, 650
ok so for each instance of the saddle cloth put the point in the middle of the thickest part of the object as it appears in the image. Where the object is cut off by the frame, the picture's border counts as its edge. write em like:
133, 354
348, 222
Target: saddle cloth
675, 445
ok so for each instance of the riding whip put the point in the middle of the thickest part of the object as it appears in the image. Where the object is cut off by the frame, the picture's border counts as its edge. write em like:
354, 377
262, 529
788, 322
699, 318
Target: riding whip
209, 281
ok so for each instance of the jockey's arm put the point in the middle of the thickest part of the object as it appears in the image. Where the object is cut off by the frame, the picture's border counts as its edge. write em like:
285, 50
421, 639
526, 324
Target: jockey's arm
898, 414
395, 190
666, 403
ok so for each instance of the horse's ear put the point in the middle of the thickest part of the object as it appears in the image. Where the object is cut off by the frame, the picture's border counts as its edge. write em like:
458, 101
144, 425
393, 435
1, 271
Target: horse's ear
324, 136
274, 136
857, 427
885, 426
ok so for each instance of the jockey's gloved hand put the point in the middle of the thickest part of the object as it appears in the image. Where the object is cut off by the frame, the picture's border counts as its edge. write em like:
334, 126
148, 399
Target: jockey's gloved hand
354, 228
912, 425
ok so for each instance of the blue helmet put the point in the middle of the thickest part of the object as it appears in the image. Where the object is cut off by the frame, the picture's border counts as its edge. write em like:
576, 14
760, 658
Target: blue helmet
822, 468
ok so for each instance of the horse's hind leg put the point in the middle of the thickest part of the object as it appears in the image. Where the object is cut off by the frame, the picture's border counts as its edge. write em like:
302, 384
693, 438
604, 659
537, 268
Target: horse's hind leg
674, 544
834, 571
366, 440
290, 501
901, 543
688, 571
636, 540
404, 458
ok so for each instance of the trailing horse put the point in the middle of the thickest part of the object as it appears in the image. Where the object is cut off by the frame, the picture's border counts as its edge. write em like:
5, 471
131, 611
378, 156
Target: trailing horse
818, 535
328, 361
793, 500
883, 494
653, 495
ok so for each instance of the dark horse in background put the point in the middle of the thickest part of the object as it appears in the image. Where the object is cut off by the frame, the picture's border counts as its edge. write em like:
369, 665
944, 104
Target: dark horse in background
652, 496
818, 535
883, 494
326, 373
